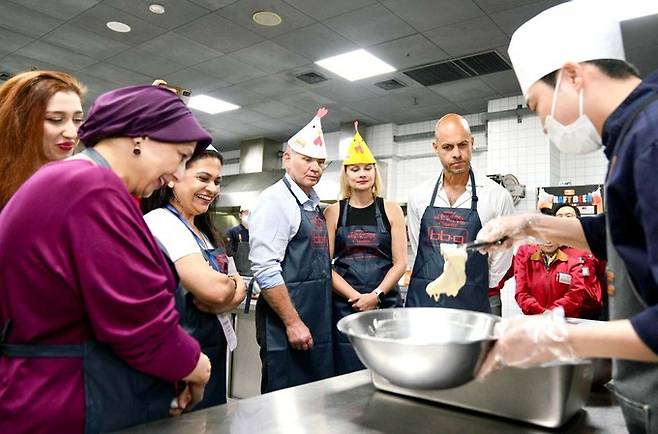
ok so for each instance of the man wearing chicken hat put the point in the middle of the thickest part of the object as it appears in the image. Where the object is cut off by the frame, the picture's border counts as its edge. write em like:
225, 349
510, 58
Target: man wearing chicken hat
570, 63
289, 252
368, 242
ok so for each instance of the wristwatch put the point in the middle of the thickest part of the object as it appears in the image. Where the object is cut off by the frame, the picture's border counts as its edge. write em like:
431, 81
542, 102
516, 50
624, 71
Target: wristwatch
380, 294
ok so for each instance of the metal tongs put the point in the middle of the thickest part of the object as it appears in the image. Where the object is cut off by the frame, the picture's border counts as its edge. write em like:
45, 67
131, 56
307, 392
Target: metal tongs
475, 245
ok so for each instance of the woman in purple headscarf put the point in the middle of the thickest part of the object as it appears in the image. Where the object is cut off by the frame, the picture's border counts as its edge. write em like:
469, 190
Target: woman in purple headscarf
90, 339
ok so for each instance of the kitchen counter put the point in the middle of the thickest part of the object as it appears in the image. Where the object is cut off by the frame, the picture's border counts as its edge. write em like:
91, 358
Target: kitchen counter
350, 404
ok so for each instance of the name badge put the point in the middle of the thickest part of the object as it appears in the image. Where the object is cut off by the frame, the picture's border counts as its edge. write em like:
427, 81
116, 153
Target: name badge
564, 278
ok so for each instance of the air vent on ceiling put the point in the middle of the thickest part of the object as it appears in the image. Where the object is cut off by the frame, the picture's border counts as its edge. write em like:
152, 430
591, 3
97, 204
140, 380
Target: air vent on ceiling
460, 68
311, 77
391, 84
4, 75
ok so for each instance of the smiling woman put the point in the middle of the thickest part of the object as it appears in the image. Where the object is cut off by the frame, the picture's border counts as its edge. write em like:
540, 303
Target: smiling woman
40, 112
87, 318
179, 217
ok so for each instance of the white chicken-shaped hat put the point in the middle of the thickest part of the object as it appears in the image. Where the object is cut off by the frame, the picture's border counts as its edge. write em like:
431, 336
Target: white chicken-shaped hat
309, 140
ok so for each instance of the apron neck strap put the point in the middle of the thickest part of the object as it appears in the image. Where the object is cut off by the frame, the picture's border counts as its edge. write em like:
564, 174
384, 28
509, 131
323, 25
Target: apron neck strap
474, 196
285, 181
202, 244
96, 157
317, 208
378, 215
343, 221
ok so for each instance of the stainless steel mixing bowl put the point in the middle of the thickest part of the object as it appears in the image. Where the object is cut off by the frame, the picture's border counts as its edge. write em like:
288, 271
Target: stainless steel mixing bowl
421, 348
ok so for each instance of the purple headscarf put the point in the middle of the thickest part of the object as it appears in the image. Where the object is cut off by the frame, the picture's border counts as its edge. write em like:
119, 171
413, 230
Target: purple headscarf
142, 111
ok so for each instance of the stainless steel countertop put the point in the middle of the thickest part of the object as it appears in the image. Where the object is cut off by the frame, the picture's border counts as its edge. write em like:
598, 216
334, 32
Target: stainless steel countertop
350, 404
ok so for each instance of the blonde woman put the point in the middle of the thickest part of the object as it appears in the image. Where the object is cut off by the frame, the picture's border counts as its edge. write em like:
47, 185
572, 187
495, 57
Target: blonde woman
368, 241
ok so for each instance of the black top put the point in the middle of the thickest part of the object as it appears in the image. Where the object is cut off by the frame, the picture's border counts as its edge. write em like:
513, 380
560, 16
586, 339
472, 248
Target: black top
235, 235
363, 216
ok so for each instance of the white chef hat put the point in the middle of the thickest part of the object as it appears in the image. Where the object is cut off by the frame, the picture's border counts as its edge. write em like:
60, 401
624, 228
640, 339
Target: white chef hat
575, 31
309, 140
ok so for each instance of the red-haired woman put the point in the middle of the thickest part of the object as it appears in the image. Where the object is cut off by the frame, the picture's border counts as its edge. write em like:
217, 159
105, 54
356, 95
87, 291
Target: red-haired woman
40, 112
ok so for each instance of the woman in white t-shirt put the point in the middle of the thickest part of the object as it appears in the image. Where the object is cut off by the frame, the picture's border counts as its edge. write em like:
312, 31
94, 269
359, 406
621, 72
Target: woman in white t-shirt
179, 219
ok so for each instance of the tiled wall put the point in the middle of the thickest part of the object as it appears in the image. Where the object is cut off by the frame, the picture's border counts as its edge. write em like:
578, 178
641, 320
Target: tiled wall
506, 146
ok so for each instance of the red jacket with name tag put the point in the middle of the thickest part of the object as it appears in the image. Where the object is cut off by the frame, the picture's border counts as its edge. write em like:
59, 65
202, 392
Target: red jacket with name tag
569, 281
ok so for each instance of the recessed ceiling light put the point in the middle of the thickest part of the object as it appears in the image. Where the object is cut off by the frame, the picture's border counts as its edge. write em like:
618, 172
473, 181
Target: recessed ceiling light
355, 65
156, 8
118, 26
267, 18
211, 105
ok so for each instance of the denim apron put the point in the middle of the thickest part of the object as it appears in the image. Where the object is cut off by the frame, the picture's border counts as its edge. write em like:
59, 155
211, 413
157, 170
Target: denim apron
306, 270
363, 256
241, 257
211, 331
116, 395
453, 226
634, 383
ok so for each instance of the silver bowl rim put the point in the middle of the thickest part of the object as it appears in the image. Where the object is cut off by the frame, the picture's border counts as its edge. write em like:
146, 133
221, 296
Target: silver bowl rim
341, 327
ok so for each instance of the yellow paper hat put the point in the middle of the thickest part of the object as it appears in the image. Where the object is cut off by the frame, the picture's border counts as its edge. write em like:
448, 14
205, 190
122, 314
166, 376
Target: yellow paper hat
358, 152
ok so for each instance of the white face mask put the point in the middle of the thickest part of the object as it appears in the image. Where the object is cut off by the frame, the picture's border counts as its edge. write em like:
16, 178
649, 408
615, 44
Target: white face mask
579, 137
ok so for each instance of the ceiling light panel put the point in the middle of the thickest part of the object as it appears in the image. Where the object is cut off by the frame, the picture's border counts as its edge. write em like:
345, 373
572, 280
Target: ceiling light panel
208, 104
356, 65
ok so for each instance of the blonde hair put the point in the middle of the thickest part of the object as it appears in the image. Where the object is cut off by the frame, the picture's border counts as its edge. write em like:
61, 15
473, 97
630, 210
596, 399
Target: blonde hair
346, 190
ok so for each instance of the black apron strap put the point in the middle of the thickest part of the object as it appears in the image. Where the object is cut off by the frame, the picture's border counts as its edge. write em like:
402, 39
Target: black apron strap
474, 195
29, 351
343, 221
378, 216
250, 291
285, 181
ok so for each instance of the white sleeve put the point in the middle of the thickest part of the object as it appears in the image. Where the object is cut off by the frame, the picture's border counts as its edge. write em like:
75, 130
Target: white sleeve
172, 233
500, 262
413, 221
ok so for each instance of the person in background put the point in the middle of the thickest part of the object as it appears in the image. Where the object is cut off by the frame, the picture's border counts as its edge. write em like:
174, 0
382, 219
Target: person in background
289, 253
40, 112
178, 216
90, 339
565, 210
368, 243
460, 203
571, 66
548, 276
238, 242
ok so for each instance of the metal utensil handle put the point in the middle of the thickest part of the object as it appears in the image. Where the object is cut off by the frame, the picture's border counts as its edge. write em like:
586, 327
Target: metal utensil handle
480, 244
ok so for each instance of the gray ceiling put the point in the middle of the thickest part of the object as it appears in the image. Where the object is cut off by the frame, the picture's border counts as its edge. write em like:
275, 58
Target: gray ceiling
214, 47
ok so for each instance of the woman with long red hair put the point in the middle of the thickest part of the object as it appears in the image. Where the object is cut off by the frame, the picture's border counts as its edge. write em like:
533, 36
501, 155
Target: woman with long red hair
40, 112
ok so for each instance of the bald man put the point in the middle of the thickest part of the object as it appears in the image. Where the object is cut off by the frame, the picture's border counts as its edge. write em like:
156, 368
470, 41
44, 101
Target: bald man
451, 208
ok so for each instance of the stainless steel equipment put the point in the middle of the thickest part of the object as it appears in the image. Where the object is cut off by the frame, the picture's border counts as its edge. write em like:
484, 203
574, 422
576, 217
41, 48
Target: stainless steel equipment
547, 397
421, 348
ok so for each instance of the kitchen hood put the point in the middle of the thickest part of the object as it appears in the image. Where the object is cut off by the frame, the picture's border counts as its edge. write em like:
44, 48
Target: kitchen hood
260, 167
243, 189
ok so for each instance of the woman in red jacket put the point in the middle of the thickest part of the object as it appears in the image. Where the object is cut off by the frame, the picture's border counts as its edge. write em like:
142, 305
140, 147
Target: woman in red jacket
548, 276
